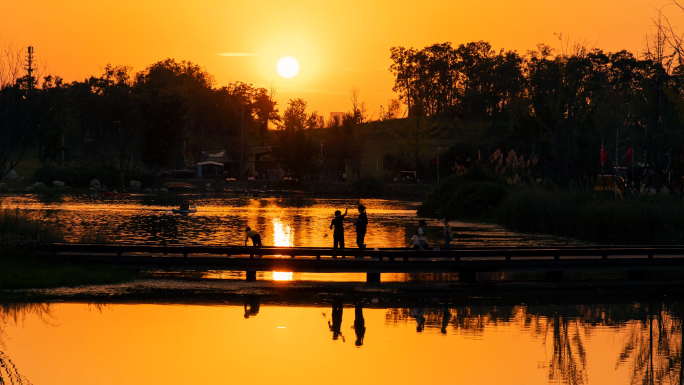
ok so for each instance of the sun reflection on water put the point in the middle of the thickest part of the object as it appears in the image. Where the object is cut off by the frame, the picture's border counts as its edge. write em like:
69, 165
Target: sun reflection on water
282, 276
282, 233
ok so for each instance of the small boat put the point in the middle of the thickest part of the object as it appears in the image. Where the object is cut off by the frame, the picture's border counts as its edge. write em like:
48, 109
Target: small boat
179, 185
185, 211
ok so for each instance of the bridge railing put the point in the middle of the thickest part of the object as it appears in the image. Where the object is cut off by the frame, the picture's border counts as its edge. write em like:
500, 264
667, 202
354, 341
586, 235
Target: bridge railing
390, 254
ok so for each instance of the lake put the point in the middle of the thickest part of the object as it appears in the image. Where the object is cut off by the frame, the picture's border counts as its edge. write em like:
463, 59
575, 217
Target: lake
335, 329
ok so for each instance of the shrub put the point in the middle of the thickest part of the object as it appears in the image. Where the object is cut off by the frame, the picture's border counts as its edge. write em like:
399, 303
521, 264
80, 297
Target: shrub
463, 196
595, 217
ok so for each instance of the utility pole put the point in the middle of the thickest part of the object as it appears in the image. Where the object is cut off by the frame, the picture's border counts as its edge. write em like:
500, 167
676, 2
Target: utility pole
29, 69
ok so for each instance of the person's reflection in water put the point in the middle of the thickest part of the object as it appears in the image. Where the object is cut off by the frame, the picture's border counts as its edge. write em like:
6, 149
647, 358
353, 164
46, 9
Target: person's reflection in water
252, 306
419, 314
336, 326
446, 318
359, 324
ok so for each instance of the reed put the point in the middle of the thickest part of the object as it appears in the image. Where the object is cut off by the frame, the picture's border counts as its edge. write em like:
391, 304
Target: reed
18, 229
595, 217
21, 269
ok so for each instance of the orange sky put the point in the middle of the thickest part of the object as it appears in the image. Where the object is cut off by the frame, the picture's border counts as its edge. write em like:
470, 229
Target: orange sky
339, 44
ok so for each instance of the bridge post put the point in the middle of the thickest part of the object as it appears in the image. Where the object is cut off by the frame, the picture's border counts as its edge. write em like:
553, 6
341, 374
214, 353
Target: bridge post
251, 276
373, 277
467, 275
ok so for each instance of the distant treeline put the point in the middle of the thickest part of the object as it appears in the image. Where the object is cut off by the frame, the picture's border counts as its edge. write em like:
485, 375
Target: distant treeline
556, 108
560, 107
170, 113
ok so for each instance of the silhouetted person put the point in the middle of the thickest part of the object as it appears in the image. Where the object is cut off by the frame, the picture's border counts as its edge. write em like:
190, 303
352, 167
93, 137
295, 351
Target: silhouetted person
338, 225
447, 234
422, 235
252, 306
446, 318
415, 241
336, 326
359, 324
419, 314
256, 238
361, 225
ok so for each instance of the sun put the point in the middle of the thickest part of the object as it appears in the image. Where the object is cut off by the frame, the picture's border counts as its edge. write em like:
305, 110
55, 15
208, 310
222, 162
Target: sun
288, 67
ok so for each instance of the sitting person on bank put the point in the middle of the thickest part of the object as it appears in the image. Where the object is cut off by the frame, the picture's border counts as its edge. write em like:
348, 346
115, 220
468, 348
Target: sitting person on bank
422, 235
256, 238
415, 241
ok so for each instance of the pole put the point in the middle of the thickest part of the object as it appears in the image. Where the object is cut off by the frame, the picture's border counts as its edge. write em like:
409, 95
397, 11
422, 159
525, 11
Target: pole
437, 162
321, 160
602, 162
615, 167
242, 140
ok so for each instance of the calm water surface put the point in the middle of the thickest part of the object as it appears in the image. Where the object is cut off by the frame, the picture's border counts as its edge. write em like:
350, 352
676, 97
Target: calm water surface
222, 218
340, 343
247, 334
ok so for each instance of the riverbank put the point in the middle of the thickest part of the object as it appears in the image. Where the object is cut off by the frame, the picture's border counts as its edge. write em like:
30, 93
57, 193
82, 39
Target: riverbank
598, 217
21, 269
307, 293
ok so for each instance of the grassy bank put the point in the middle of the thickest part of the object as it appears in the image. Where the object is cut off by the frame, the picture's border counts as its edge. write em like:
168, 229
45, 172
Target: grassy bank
20, 268
595, 217
586, 215
34, 273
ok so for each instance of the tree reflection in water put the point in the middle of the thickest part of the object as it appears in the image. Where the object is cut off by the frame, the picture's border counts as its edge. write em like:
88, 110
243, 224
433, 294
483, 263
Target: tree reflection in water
653, 348
13, 314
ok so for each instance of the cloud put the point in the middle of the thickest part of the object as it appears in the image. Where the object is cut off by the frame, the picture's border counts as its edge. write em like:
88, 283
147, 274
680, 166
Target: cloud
236, 54
313, 91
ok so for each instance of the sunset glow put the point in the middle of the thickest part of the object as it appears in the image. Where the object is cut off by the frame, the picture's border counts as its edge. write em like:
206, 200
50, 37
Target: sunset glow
344, 45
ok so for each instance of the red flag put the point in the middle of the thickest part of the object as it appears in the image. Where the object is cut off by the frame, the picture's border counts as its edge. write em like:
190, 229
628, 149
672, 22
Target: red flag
604, 155
628, 156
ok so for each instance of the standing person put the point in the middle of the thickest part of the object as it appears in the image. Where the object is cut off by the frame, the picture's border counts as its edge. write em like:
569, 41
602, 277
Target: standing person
422, 235
447, 234
361, 225
338, 232
256, 238
359, 324
336, 325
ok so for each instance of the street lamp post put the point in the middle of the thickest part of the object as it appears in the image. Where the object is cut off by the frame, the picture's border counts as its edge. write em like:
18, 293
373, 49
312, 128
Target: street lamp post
321, 160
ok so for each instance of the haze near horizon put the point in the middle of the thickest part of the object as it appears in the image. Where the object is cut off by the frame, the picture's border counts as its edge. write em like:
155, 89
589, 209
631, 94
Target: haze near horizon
339, 45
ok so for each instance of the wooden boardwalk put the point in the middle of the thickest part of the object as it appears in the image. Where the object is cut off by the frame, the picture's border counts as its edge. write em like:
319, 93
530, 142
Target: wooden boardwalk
467, 262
